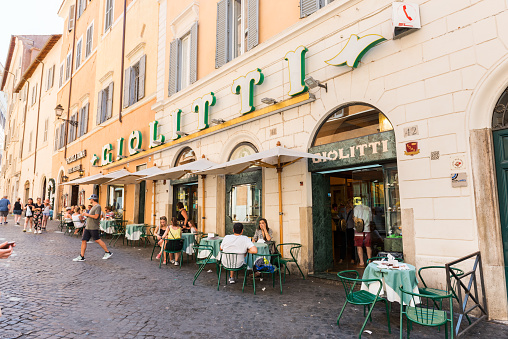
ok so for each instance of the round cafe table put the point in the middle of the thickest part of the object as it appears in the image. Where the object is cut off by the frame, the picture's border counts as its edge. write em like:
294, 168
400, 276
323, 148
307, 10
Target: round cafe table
214, 242
108, 226
188, 242
134, 231
392, 279
262, 249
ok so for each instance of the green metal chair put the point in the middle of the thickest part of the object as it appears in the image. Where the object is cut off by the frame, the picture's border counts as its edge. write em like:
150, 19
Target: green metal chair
232, 262
381, 258
294, 250
172, 246
274, 262
69, 227
154, 238
356, 296
143, 237
438, 292
202, 262
118, 232
423, 310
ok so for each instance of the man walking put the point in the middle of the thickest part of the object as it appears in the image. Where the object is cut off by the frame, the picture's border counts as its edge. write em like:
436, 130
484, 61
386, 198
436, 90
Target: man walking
92, 229
5, 207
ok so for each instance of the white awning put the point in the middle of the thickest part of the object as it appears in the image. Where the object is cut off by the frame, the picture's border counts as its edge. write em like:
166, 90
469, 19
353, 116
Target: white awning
179, 171
98, 179
136, 177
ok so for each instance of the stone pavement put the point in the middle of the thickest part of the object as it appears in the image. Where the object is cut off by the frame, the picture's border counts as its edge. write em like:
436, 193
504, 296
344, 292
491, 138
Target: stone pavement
47, 295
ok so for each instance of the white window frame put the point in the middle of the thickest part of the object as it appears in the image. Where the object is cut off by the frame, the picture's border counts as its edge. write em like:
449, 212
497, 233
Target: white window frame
79, 52
34, 94
182, 67
106, 14
68, 66
89, 49
61, 75
233, 38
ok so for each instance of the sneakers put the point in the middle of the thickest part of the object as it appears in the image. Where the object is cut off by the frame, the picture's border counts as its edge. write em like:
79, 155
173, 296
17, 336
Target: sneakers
5, 223
158, 256
79, 258
17, 223
107, 255
176, 263
29, 230
172, 261
24, 230
232, 280
40, 231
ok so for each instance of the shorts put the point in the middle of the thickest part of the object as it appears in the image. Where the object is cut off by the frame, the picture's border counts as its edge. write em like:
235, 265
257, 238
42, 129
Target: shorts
94, 234
45, 214
17, 212
4, 213
362, 239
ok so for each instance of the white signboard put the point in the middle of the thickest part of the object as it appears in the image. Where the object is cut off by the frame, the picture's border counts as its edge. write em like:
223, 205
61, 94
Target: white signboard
406, 15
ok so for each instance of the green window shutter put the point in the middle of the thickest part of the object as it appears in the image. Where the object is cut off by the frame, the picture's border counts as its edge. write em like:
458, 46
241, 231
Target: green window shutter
194, 53
142, 75
109, 113
99, 108
174, 48
126, 87
221, 42
253, 24
307, 7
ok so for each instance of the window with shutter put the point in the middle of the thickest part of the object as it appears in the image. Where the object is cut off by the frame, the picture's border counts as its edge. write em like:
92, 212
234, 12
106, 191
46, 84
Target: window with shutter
99, 108
126, 87
253, 24
221, 43
68, 67
110, 102
141, 78
80, 8
84, 120
46, 126
133, 82
307, 7
89, 40
173, 66
104, 109
194, 53
61, 77
108, 19
79, 47
57, 137
70, 23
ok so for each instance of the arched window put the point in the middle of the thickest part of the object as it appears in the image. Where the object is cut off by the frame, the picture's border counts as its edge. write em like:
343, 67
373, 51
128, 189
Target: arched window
186, 156
241, 150
500, 116
352, 122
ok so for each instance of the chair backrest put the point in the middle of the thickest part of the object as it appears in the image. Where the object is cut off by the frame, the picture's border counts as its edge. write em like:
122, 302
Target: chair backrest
457, 271
424, 307
352, 283
199, 248
293, 249
173, 245
232, 260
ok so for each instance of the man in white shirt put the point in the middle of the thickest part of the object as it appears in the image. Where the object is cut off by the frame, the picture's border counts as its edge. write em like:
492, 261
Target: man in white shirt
363, 238
237, 243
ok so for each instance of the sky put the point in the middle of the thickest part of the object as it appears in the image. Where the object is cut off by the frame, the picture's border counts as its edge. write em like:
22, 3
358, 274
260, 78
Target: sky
33, 17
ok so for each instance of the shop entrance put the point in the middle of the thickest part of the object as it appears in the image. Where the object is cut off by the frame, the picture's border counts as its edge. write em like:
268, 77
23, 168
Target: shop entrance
187, 194
360, 182
74, 195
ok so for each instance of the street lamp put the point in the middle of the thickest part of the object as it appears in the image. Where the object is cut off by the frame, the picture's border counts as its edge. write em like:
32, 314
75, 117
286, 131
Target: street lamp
81, 172
59, 111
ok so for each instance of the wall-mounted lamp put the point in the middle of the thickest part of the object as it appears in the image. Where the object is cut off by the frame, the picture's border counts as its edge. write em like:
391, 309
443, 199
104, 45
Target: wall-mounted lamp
81, 173
59, 111
157, 142
217, 121
269, 101
139, 150
65, 178
182, 134
120, 157
313, 83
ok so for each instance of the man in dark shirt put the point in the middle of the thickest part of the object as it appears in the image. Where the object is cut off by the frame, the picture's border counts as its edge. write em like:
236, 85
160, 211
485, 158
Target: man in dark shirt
92, 229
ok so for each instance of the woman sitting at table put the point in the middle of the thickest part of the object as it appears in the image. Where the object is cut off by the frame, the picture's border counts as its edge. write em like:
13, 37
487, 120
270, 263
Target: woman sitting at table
182, 217
265, 233
109, 213
173, 232
159, 233
77, 219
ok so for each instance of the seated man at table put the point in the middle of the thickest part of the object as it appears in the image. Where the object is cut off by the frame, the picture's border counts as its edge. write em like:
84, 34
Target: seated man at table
237, 243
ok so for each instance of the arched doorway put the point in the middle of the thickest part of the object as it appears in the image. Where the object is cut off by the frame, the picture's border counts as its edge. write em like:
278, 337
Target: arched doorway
243, 193
361, 181
185, 189
43, 195
500, 140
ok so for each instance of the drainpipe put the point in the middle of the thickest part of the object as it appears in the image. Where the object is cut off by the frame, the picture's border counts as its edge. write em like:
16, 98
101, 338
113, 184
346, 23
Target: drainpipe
70, 81
123, 60
38, 114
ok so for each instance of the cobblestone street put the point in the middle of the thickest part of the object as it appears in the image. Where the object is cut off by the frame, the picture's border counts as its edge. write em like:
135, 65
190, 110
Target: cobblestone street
47, 295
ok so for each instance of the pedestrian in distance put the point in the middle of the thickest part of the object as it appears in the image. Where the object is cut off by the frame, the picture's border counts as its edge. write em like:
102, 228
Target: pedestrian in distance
18, 209
5, 207
45, 214
91, 230
38, 216
29, 215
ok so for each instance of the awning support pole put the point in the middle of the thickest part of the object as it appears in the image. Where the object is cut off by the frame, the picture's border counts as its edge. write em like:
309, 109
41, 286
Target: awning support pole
203, 218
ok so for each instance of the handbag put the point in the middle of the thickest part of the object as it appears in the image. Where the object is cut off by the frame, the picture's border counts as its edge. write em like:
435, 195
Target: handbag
174, 245
28, 212
359, 224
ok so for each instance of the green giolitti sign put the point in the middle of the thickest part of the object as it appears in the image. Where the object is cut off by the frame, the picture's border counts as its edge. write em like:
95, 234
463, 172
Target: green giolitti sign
359, 151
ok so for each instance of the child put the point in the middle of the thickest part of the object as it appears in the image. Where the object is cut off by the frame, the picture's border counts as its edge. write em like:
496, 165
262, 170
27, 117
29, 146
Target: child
173, 232
192, 225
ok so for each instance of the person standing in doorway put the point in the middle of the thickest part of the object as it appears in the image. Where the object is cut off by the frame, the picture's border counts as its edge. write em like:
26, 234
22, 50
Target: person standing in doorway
18, 208
182, 217
362, 214
5, 207
91, 230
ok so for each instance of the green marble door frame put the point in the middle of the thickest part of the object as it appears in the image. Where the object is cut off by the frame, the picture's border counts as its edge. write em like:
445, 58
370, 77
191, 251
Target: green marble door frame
321, 220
